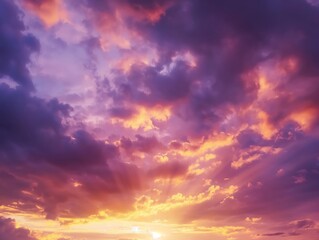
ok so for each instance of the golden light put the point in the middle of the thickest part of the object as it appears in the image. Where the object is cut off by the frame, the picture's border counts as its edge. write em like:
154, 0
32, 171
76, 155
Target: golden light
156, 235
145, 117
304, 117
136, 229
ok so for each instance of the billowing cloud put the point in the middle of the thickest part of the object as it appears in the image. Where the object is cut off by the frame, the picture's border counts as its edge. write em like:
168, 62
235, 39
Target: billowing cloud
195, 118
226, 45
9, 231
16, 46
41, 163
49, 11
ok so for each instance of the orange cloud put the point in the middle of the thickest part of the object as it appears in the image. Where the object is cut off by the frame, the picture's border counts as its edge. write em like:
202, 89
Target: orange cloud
145, 118
146, 206
202, 148
49, 11
305, 117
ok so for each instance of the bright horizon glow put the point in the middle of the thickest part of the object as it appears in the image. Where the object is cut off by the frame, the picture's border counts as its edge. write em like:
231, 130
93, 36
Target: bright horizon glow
136, 229
156, 235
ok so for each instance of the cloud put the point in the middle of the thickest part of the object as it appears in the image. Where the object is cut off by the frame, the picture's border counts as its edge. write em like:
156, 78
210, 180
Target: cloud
209, 58
49, 11
261, 191
147, 86
16, 46
168, 170
141, 144
304, 224
9, 231
248, 138
121, 112
273, 234
226, 44
48, 170
216, 98
136, 10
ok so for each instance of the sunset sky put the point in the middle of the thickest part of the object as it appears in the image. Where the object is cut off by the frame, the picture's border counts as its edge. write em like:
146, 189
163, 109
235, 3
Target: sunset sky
159, 119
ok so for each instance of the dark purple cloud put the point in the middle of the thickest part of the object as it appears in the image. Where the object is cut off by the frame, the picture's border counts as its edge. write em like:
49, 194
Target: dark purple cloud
227, 39
141, 144
147, 86
15, 45
8, 231
304, 224
288, 133
248, 138
40, 162
305, 228
273, 234
121, 112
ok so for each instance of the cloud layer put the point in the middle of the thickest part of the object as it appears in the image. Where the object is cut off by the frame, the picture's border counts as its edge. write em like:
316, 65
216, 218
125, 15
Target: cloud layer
202, 115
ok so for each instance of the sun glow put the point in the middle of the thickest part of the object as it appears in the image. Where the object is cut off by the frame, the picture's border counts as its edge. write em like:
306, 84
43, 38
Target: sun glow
136, 229
156, 235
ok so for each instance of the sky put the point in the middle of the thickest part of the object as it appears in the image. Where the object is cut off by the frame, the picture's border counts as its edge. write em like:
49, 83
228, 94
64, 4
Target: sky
159, 119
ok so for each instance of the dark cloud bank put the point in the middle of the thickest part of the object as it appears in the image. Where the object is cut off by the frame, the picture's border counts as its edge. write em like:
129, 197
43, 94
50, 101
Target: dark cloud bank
9, 231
